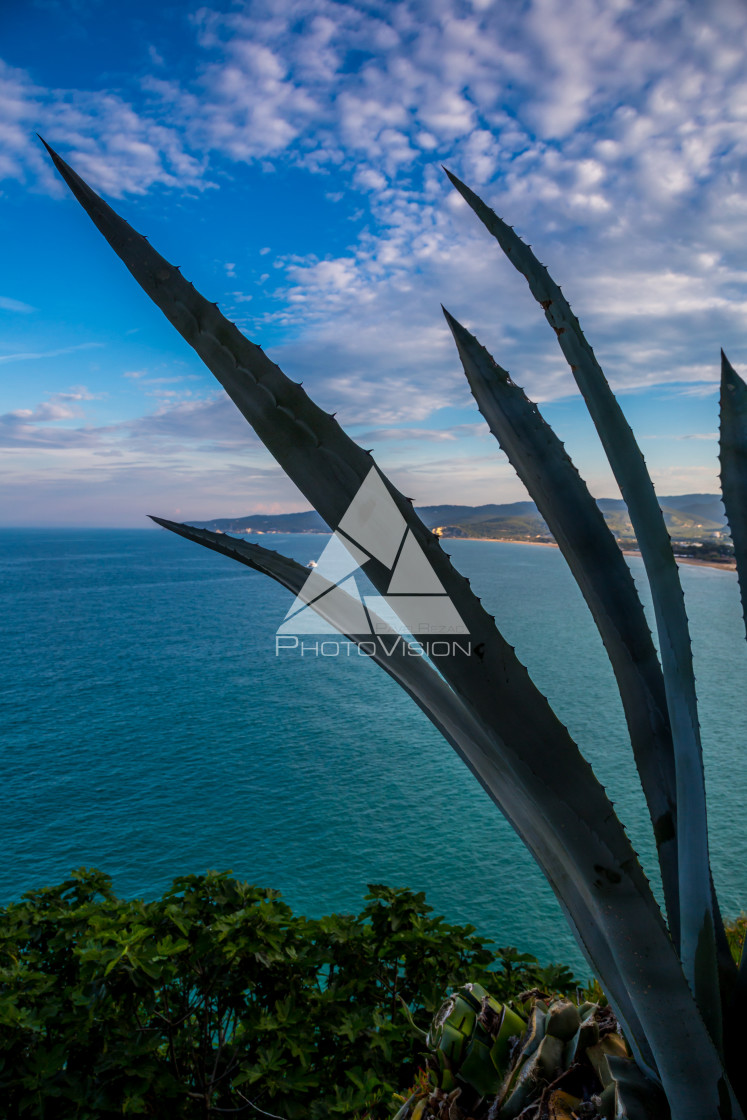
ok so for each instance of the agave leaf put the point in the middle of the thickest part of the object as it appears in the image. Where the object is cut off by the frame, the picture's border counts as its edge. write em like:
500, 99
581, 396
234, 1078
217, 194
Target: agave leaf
733, 454
415, 675
547, 781
636, 1096
700, 922
598, 566
329, 468
477, 746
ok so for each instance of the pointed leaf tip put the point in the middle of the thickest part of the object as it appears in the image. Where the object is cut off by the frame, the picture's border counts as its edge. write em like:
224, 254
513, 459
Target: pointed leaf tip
458, 328
451, 176
733, 453
729, 376
451, 319
93, 204
460, 333
63, 168
56, 159
49, 147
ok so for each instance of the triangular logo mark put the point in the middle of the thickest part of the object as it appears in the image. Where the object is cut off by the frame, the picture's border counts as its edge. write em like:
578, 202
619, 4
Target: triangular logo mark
412, 574
341, 608
339, 560
330, 600
373, 520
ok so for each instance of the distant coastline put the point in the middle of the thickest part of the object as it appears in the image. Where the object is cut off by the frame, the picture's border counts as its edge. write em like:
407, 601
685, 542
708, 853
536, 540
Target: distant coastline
720, 565
696, 524
723, 565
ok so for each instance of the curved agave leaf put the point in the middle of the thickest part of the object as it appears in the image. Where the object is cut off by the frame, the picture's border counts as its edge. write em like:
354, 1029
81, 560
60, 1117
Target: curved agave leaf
700, 922
547, 782
476, 746
598, 566
733, 454
415, 675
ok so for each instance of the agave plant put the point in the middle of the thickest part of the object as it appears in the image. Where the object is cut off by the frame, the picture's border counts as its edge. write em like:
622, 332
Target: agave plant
544, 1059
669, 976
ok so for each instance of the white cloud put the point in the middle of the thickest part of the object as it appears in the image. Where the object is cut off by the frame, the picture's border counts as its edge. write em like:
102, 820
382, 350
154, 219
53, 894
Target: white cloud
28, 355
118, 149
8, 304
421, 435
610, 132
24, 427
181, 420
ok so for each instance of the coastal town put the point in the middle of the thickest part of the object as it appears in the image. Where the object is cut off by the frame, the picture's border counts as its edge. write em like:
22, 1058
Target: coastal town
696, 524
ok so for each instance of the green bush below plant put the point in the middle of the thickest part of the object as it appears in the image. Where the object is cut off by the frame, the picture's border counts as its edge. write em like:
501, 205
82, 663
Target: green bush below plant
216, 999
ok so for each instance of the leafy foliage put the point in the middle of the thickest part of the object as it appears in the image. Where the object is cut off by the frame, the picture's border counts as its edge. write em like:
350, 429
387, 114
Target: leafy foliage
217, 997
735, 935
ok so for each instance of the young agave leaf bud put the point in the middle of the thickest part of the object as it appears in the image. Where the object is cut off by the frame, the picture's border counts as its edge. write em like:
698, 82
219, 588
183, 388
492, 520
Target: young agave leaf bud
587, 1034
470, 1040
610, 1046
536, 1072
563, 1020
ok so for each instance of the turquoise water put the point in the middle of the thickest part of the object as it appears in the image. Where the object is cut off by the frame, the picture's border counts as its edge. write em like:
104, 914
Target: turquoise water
149, 729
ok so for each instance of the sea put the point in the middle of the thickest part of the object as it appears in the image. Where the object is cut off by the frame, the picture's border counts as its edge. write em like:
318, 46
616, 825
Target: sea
149, 728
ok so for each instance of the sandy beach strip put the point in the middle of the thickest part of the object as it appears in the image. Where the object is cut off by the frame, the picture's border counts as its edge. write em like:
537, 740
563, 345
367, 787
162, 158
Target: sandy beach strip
725, 566
721, 566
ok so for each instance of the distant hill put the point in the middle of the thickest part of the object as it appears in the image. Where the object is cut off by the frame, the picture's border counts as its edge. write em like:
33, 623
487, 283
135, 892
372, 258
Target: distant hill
433, 516
703, 507
689, 517
309, 522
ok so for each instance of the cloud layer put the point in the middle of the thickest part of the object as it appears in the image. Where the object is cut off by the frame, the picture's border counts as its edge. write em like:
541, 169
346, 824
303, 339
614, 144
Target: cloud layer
610, 132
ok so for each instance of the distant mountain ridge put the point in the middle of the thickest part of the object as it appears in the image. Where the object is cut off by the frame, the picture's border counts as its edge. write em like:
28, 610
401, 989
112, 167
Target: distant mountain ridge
688, 517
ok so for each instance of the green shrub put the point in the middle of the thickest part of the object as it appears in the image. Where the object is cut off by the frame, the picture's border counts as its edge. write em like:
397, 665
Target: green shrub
216, 995
735, 934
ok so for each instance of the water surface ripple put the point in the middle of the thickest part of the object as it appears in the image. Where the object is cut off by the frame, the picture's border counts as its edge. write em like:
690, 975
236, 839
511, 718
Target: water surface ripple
149, 729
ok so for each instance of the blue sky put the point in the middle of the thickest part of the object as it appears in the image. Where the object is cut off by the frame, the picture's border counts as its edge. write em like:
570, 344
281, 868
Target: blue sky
287, 155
